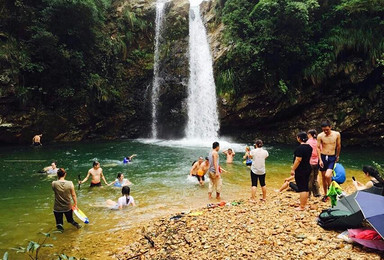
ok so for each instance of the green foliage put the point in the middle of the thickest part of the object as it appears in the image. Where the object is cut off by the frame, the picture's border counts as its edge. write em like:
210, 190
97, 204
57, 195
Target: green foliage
33, 248
292, 41
62, 54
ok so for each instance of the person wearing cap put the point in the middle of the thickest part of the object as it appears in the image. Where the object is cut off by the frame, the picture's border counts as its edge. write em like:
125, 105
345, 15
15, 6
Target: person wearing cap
230, 154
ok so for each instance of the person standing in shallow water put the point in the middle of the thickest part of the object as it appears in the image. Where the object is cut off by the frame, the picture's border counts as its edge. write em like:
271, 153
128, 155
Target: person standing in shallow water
313, 184
230, 155
301, 168
258, 156
328, 150
215, 181
97, 173
36, 140
64, 191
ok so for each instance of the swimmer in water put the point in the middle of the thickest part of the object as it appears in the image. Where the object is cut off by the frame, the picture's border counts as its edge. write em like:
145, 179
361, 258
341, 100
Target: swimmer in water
51, 170
128, 159
123, 201
120, 181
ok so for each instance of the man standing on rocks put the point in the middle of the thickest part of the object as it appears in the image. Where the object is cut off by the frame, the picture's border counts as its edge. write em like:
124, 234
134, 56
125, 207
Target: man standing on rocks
215, 181
329, 147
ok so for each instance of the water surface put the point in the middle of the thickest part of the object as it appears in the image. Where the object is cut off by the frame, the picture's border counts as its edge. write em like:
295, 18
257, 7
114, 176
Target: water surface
158, 173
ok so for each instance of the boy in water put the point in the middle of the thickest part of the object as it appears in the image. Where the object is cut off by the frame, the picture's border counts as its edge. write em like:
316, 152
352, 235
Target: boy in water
195, 170
97, 173
230, 154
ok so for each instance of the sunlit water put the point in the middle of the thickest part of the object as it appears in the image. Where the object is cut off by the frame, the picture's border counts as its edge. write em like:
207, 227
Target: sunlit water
158, 173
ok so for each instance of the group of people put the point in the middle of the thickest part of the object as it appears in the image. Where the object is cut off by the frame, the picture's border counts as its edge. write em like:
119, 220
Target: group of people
64, 191
315, 153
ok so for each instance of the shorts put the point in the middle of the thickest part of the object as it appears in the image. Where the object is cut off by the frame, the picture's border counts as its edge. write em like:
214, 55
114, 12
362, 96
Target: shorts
36, 144
200, 173
214, 183
198, 177
302, 180
95, 184
255, 177
328, 161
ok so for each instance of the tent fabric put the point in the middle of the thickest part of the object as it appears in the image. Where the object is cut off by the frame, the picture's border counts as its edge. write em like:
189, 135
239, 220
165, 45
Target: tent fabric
372, 207
354, 234
352, 220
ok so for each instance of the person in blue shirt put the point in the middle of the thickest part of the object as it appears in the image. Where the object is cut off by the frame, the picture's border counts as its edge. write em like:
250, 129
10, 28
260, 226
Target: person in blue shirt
128, 159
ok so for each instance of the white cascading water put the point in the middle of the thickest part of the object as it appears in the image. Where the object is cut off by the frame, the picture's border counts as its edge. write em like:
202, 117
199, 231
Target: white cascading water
203, 122
156, 79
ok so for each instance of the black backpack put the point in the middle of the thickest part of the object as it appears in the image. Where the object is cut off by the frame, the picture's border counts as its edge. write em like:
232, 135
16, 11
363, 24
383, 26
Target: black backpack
339, 219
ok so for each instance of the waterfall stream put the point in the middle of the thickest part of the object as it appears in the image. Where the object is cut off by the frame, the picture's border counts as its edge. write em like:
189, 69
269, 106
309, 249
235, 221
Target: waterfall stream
203, 122
156, 78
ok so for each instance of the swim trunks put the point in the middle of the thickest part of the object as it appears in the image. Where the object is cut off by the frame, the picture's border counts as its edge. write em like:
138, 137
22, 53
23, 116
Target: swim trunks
328, 161
200, 173
36, 144
95, 184
198, 177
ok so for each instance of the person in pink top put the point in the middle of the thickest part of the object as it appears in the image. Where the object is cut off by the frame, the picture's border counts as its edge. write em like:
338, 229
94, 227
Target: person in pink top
313, 185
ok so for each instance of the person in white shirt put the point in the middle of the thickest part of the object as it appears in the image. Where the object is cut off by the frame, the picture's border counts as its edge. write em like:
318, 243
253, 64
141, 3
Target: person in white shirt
123, 201
258, 156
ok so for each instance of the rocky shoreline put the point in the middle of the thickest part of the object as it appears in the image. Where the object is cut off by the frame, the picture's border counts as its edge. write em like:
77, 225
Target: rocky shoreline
242, 230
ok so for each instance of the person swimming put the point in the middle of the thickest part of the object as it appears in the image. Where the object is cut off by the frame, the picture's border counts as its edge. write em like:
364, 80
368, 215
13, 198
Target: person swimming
120, 181
128, 159
123, 201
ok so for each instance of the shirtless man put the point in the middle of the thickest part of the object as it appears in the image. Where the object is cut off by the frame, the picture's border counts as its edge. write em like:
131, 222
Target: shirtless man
97, 173
36, 140
230, 154
215, 182
195, 170
329, 147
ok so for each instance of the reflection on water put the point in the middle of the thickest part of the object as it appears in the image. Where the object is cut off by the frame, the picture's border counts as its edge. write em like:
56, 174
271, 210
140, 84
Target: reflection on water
159, 175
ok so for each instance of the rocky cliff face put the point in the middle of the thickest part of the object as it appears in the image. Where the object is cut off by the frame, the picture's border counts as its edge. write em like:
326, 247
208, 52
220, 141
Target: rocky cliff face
350, 98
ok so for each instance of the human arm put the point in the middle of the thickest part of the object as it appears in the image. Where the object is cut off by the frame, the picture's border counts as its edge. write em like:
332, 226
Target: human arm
102, 176
132, 156
338, 147
215, 164
296, 164
112, 183
193, 169
246, 155
86, 177
359, 186
290, 178
321, 164
133, 202
74, 197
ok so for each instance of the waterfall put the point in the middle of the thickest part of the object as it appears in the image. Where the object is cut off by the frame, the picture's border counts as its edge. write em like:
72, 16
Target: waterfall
156, 79
203, 122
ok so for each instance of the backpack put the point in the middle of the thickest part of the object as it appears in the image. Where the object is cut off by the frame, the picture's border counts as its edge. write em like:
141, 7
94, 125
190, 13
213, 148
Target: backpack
332, 218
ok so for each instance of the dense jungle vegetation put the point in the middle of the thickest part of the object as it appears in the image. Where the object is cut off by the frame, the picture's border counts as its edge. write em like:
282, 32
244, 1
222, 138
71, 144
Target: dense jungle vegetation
90, 63
64, 55
286, 44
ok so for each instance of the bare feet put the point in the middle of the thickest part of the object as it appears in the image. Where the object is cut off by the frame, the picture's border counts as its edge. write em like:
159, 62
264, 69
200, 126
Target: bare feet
300, 209
263, 200
252, 200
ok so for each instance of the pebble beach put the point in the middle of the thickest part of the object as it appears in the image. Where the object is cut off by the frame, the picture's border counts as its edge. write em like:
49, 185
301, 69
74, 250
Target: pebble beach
237, 230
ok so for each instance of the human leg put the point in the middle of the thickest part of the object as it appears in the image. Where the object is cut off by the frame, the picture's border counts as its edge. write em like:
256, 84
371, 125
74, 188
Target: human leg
284, 186
69, 217
219, 185
303, 200
316, 187
59, 220
253, 186
324, 182
263, 186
